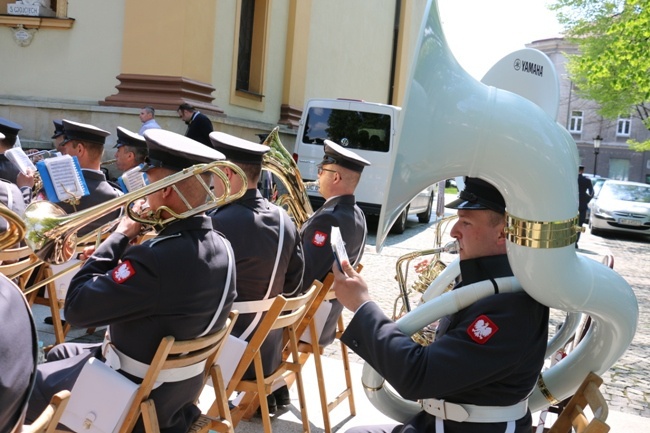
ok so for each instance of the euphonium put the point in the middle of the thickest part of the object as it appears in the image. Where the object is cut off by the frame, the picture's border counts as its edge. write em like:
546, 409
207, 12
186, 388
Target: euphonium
15, 231
52, 234
426, 277
279, 162
460, 126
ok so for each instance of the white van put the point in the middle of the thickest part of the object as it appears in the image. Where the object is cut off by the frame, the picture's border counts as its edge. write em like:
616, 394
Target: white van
368, 129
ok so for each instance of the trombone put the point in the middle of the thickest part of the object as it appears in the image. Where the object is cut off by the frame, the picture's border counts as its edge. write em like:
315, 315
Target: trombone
52, 234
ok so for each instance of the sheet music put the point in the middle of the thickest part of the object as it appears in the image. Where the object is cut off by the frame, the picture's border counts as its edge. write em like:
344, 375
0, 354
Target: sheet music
65, 178
134, 179
20, 160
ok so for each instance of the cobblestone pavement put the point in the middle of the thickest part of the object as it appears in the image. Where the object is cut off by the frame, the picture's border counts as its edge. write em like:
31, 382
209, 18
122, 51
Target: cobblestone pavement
626, 385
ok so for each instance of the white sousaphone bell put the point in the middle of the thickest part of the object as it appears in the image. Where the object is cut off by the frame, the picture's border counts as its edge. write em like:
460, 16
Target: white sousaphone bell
452, 125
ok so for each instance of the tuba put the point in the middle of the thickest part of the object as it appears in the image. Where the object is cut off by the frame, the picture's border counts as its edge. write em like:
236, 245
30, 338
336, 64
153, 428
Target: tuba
52, 234
279, 162
464, 127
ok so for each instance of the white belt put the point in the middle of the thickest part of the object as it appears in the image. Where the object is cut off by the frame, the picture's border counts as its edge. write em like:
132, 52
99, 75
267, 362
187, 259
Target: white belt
472, 413
119, 361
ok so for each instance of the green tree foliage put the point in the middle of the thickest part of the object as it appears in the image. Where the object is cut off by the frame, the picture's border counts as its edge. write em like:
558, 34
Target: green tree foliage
613, 68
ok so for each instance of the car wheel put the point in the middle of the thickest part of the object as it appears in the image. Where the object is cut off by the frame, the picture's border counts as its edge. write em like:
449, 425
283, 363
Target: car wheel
594, 231
425, 216
400, 225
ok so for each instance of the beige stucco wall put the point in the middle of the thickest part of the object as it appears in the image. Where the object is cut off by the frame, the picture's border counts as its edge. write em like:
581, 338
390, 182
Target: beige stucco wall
78, 64
167, 37
350, 57
224, 56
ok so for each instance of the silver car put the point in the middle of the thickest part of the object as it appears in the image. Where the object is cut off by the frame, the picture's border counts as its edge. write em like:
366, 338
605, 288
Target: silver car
620, 206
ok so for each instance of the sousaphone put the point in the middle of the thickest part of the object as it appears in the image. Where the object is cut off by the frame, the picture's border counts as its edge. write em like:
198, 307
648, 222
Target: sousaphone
452, 125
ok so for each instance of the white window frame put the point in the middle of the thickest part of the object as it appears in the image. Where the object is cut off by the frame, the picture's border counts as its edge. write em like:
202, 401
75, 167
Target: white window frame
623, 126
576, 121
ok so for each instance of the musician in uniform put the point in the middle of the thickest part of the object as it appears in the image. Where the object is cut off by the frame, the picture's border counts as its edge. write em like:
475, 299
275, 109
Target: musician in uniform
180, 283
86, 142
9, 129
266, 243
131, 149
18, 351
338, 176
485, 359
10, 196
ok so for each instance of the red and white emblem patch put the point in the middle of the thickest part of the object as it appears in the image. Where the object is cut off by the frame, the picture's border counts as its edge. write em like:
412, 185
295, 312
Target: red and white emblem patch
482, 329
123, 272
319, 238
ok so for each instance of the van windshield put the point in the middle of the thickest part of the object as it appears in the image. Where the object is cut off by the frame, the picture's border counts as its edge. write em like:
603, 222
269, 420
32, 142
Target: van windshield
351, 129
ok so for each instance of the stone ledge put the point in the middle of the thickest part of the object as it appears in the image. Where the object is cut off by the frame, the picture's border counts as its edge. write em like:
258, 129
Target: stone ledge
36, 22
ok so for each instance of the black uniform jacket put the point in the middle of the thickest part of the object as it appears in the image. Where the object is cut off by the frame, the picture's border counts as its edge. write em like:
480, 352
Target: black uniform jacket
100, 192
17, 354
252, 225
8, 169
170, 285
342, 212
496, 368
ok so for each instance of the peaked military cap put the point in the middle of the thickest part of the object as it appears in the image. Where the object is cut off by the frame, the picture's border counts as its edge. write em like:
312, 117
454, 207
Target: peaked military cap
58, 128
84, 132
339, 155
129, 138
479, 194
8, 128
237, 149
174, 151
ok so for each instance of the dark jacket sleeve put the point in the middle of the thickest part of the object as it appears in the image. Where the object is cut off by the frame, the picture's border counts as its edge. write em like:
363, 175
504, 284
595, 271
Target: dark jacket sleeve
456, 364
99, 295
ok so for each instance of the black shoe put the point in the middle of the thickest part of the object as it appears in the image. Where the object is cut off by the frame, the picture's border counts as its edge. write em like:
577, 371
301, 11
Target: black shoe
282, 397
48, 321
270, 401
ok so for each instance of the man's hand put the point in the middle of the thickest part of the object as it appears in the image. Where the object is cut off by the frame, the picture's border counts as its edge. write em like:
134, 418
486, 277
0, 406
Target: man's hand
86, 253
351, 290
127, 226
422, 266
25, 179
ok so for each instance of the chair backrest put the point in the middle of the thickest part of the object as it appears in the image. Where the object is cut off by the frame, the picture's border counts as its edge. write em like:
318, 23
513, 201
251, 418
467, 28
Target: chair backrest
49, 418
176, 354
16, 263
574, 415
282, 313
326, 294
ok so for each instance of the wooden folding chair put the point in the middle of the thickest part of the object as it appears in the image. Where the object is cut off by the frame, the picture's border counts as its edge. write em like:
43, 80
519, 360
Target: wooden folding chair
306, 349
283, 314
573, 415
175, 354
49, 418
18, 264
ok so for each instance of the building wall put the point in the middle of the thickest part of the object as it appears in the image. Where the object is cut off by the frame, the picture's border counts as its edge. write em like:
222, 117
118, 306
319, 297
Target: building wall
65, 73
350, 53
78, 64
613, 146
